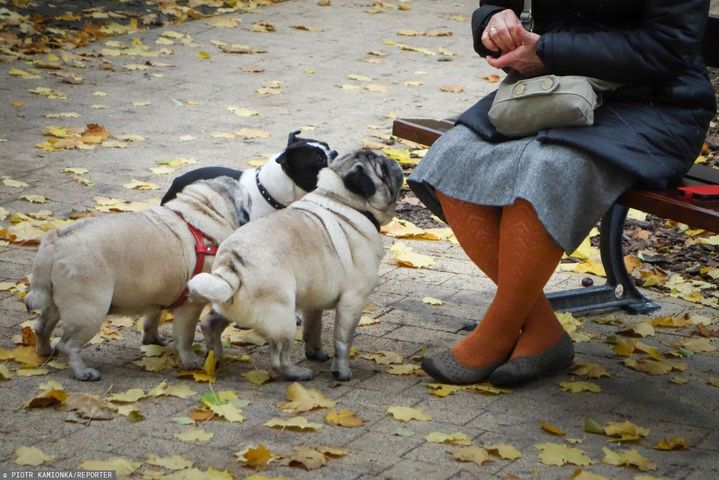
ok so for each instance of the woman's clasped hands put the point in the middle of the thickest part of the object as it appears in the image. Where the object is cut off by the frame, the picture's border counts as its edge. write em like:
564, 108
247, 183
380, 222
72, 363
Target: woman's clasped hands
505, 34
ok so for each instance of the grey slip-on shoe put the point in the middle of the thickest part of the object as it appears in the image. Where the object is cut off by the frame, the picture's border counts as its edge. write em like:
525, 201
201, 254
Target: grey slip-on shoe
442, 366
523, 369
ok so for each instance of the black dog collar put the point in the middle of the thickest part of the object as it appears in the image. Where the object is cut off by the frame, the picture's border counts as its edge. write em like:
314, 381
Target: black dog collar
265, 194
372, 219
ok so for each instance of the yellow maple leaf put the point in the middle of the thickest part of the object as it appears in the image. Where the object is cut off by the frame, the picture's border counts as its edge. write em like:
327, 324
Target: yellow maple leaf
625, 431
302, 399
258, 377
173, 462
32, 456
504, 451
257, 457
443, 390
457, 438
476, 455
128, 396
343, 418
591, 370
558, 454
578, 387
550, 428
405, 414
229, 412
294, 423
629, 458
194, 435
674, 443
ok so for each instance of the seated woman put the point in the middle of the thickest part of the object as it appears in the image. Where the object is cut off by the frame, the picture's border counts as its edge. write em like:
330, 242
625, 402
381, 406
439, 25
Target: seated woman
516, 205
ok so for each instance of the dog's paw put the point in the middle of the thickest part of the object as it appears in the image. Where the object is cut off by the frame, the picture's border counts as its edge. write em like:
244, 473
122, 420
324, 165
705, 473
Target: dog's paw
88, 375
298, 374
318, 355
342, 376
194, 364
155, 340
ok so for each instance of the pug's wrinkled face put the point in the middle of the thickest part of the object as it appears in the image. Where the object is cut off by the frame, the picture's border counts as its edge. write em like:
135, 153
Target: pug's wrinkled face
374, 178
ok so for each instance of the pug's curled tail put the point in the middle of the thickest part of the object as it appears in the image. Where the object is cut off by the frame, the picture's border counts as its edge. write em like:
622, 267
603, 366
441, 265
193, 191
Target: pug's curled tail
214, 287
40, 295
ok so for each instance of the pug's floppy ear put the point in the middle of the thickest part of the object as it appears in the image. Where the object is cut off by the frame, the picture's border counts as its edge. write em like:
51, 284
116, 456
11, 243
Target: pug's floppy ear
292, 138
357, 181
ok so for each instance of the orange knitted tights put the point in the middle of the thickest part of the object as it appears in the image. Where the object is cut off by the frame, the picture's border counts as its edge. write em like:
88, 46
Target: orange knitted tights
512, 247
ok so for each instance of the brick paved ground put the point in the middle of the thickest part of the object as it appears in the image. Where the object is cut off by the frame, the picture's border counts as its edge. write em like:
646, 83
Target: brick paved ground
406, 325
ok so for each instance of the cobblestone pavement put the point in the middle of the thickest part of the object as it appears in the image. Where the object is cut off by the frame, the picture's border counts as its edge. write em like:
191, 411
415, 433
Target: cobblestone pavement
190, 98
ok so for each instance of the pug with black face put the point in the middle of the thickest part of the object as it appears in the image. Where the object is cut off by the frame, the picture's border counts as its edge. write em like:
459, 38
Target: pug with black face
321, 252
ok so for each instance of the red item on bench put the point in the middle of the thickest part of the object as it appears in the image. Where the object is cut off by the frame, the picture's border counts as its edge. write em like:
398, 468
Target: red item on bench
701, 192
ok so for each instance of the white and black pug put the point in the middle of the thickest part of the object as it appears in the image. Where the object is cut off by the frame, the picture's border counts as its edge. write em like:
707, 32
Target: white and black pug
322, 252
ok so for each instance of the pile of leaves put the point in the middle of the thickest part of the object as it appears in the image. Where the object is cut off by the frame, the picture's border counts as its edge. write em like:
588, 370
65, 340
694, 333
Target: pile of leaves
30, 27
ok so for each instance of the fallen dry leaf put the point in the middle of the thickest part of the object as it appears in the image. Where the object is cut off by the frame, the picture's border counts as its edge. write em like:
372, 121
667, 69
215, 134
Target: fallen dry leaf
558, 454
343, 418
32, 456
630, 458
457, 438
294, 423
476, 455
405, 414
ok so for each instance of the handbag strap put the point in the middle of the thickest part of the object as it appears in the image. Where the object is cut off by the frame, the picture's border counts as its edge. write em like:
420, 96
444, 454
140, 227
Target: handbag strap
526, 16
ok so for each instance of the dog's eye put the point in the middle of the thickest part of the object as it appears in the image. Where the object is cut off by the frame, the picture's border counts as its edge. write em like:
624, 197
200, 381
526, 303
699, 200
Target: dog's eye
384, 169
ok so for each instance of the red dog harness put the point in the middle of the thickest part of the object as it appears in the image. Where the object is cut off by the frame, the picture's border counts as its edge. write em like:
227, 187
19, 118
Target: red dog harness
202, 250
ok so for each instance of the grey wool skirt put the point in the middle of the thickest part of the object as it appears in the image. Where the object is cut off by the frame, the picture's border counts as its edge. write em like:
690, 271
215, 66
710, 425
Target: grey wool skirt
569, 189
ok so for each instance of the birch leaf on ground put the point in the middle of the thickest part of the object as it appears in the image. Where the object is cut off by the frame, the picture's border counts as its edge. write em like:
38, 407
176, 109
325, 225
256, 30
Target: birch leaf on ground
476, 455
457, 438
121, 466
504, 451
32, 456
558, 454
302, 399
405, 414
630, 458
5, 373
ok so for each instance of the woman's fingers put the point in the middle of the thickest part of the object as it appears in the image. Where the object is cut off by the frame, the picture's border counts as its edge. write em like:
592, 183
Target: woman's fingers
488, 42
503, 31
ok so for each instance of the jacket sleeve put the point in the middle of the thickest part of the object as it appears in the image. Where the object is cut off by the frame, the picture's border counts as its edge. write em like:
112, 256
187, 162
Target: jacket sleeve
661, 47
481, 16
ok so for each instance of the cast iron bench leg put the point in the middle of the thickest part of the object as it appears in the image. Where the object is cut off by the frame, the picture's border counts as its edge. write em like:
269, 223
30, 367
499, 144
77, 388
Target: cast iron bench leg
619, 291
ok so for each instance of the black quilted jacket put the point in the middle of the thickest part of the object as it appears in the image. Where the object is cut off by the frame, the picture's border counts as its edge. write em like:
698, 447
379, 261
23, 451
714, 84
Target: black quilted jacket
653, 126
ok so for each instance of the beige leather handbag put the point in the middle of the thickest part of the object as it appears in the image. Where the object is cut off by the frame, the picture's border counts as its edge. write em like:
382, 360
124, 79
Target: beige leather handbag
523, 106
